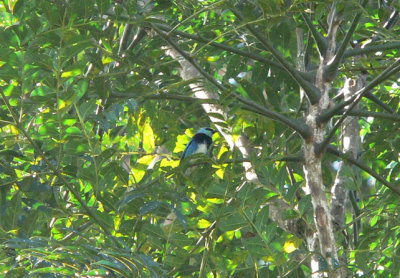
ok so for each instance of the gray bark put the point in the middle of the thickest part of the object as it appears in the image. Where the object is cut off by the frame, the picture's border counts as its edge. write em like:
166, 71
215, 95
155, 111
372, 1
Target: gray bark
312, 166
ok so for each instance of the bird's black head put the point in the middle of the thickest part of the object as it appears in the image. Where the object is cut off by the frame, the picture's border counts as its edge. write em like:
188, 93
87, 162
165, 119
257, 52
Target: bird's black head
206, 130
210, 130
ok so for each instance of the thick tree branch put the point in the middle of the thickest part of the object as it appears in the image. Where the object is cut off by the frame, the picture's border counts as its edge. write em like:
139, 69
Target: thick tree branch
383, 76
324, 236
333, 65
334, 20
311, 91
351, 141
379, 102
297, 125
320, 41
365, 168
371, 49
362, 113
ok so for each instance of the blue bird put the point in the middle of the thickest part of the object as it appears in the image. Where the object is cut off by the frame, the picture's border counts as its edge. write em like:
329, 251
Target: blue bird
200, 142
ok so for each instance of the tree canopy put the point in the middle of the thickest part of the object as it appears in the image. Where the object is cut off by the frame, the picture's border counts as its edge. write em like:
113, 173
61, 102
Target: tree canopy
98, 99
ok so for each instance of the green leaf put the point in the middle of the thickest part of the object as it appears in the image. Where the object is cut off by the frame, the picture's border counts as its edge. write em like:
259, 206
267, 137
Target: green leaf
129, 198
153, 231
150, 207
140, 167
148, 138
232, 223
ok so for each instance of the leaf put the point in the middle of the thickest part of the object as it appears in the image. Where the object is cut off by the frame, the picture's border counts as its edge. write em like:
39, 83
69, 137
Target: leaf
57, 270
150, 207
262, 219
73, 131
203, 224
232, 223
305, 205
129, 198
291, 244
153, 231
140, 167
96, 272
148, 138
182, 240
113, 265
86, 108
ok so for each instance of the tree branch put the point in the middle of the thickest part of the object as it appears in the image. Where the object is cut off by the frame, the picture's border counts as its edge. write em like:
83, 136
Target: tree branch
311, 91
365, 168
365, 48
394, 16
124, 38
333, 65
371, 49
320, 41
326, 115
362, 113
162, 96
379, 102
297, 125
357, 97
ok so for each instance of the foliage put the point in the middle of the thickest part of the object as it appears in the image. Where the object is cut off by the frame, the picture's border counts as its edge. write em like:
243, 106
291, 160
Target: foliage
94, 116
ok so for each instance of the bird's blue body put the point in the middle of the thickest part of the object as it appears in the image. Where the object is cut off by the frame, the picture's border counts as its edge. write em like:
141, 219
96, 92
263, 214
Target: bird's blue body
200, 142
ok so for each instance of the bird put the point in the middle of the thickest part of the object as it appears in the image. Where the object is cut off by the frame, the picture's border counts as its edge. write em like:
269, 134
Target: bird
200, 142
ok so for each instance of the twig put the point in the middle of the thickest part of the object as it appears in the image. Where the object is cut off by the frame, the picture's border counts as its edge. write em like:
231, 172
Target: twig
137, 38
